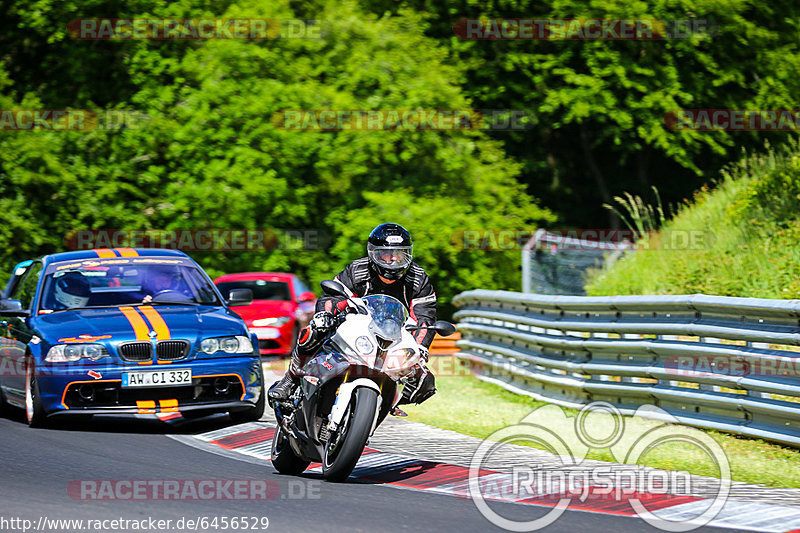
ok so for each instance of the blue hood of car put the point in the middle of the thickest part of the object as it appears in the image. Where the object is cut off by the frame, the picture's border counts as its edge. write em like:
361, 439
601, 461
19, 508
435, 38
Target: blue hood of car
192, 323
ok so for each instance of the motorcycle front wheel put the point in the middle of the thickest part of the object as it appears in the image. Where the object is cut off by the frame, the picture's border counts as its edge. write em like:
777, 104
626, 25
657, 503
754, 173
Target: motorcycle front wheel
283, 457
344, 447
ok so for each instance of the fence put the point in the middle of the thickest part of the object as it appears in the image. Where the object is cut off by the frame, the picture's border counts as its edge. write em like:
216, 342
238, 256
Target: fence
731, 364
557, 264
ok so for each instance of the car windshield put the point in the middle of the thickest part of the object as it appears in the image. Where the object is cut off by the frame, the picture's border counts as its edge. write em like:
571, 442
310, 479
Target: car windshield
262, 289
388, 315
125, 281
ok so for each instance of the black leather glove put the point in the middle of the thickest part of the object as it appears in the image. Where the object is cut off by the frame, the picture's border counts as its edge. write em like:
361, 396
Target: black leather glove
322, 322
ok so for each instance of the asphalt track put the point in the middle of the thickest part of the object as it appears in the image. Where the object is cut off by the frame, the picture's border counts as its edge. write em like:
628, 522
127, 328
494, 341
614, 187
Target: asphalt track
38, 467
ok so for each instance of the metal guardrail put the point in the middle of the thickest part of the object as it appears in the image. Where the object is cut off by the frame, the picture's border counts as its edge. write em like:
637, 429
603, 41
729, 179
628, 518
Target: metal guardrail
731, 364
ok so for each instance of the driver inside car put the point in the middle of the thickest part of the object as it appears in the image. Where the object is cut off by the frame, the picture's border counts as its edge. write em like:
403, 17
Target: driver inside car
158, 279
72, 291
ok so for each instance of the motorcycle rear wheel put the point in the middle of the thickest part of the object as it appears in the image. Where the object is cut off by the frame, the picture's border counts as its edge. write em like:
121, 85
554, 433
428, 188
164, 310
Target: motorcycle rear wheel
345, 446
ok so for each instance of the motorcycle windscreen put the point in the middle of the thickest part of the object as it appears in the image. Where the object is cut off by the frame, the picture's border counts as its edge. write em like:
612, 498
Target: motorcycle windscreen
388, 316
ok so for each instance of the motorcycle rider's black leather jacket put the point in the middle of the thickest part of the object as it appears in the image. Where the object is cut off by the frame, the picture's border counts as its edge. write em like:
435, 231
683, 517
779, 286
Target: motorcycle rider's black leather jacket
414, 290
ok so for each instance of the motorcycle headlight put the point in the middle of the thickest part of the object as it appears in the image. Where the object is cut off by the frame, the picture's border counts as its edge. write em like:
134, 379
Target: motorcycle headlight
364, 345
275, 321
236, 344
65, 353
396, 359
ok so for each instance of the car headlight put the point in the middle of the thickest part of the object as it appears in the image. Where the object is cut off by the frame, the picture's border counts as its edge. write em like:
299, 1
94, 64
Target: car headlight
364, 345
276, 321
64, 353
237, 344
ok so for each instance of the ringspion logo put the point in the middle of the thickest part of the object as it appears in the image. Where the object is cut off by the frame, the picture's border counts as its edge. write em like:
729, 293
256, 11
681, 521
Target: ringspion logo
599, 425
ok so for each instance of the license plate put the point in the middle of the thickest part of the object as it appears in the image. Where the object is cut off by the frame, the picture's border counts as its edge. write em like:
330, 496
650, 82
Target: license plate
157, 378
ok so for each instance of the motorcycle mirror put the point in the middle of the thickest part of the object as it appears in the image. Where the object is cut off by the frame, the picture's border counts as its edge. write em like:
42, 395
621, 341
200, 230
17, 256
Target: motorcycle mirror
333, 288
444, 328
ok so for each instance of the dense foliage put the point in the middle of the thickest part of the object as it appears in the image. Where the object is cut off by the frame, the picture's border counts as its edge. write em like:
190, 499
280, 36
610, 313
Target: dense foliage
204, 152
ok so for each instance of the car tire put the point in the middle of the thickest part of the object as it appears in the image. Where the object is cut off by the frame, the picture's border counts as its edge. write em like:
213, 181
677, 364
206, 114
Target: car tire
4, 405
34, 410
252, 414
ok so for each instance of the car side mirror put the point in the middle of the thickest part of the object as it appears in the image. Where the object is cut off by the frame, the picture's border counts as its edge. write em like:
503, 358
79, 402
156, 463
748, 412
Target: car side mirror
240, 297
444, 328
306, 297
333, 288
11, 307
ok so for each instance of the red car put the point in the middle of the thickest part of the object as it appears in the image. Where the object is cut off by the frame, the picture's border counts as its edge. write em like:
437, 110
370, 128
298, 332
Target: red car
282, 305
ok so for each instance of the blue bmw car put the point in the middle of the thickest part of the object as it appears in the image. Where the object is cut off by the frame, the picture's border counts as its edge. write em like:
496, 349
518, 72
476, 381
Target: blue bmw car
125, 330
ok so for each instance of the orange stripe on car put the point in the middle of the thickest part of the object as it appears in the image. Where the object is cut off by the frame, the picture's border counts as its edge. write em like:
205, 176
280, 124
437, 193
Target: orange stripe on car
168, 406
126, 252
137, 322
104, 253
159, 326
146, 406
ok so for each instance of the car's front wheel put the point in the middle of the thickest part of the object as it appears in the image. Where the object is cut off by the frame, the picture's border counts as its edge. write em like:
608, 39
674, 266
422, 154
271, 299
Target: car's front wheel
3, 403
254, 413
34, 410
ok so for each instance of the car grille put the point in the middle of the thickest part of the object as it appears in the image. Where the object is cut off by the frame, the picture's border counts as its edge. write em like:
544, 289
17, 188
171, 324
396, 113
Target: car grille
172, 350
136, 351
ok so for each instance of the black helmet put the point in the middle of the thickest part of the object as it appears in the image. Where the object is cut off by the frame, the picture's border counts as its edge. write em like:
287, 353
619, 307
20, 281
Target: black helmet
72, 290
390, 250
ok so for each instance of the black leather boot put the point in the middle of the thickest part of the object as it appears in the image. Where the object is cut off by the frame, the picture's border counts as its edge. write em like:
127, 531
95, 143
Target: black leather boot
282, 389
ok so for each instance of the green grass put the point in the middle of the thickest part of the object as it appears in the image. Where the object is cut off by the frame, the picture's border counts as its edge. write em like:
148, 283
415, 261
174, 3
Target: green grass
476, 408
737, 239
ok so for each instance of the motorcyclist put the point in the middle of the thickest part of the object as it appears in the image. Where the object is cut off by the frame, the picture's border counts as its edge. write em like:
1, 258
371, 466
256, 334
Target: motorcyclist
72, 290
387, 269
